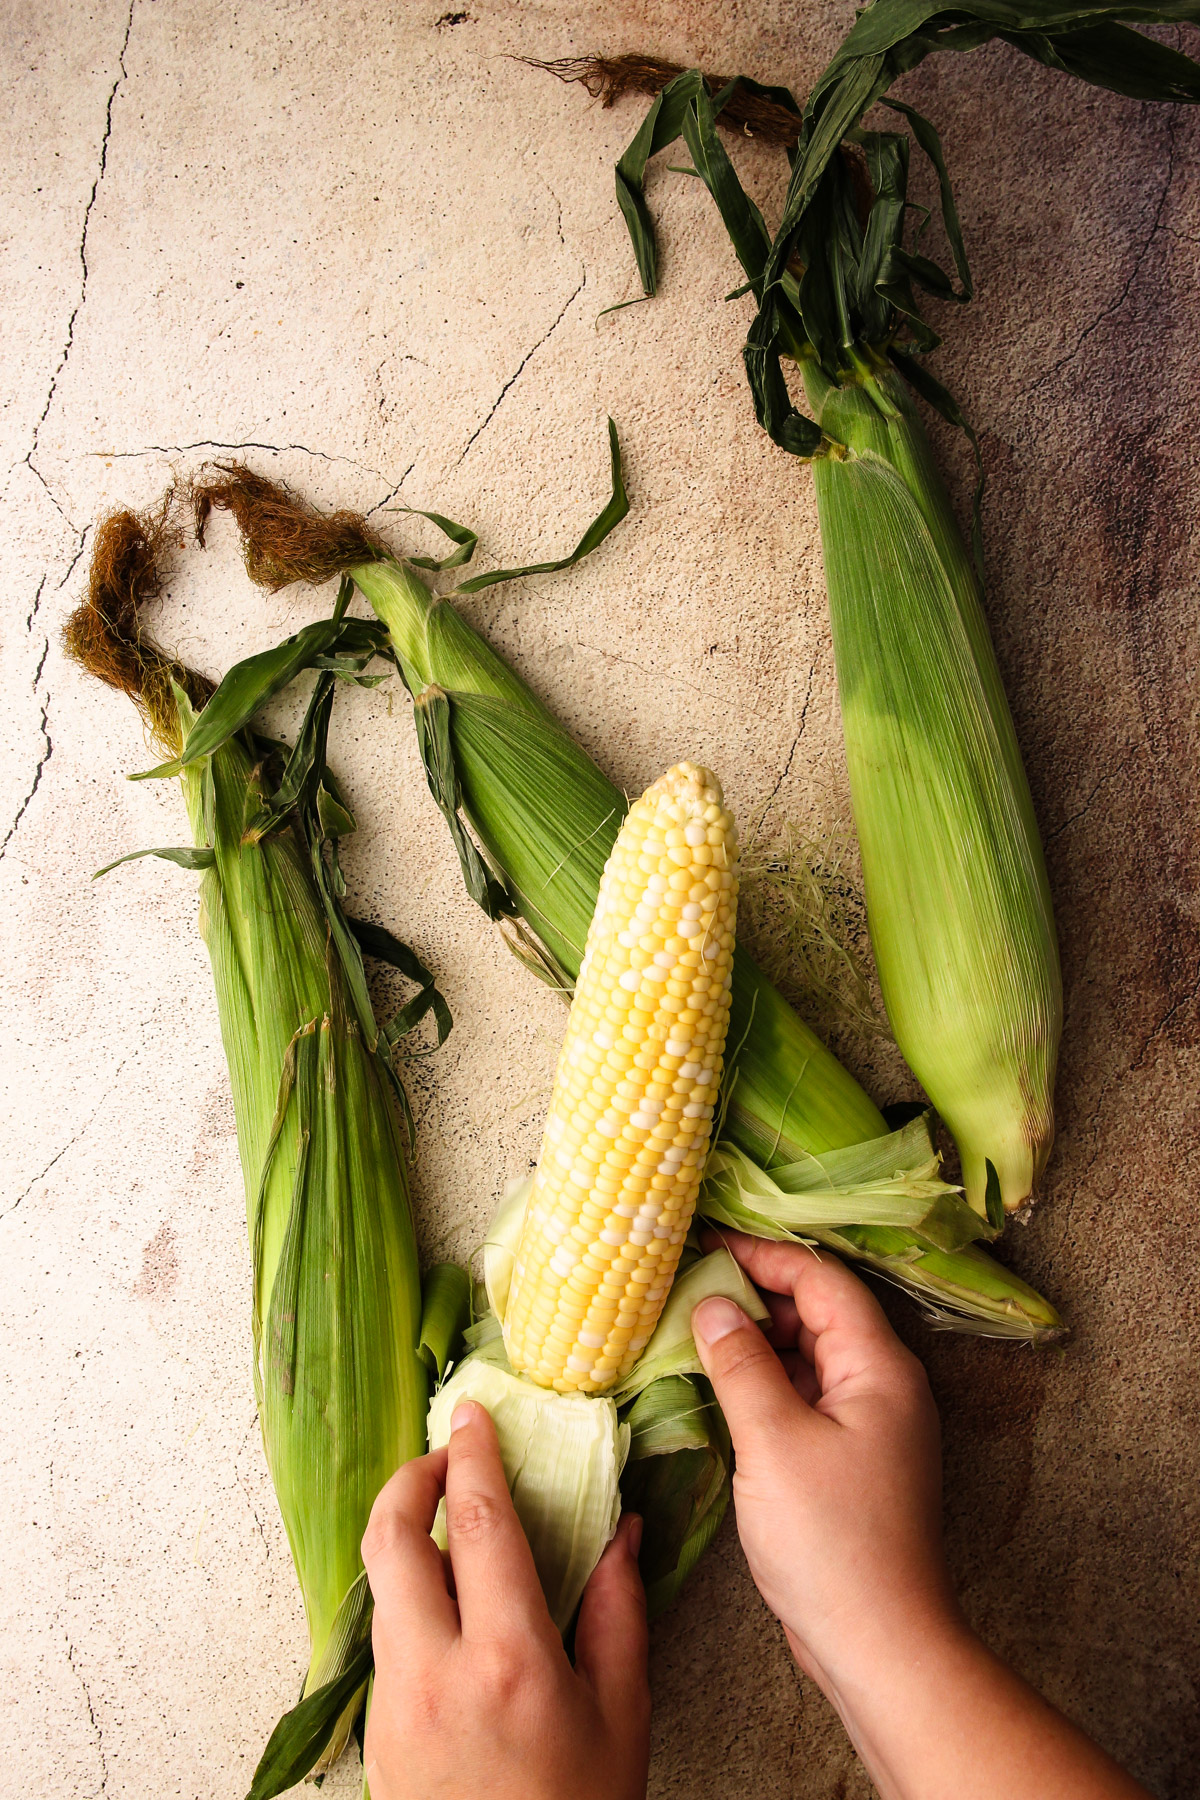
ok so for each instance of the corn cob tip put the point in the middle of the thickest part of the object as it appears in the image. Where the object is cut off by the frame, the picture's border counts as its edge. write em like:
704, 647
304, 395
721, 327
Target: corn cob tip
631, 1114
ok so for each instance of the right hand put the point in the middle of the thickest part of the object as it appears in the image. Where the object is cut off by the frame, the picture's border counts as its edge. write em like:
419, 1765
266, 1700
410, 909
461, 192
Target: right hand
837, 1487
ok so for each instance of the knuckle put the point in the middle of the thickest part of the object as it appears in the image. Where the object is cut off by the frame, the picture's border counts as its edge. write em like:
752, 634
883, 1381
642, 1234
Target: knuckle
387, 1531
379, 1536
741, 1353
502, 1672
427, 1708
909, 1380
474, 1517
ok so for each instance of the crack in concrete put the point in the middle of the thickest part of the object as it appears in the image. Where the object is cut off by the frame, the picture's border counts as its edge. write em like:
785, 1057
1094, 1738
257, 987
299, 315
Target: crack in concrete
1103, 782
34, 609
389, 497
71, 566
246, 444
58, 1156
519, 370
69, 343
55, 502
558, 203
787, 767
1192, 994
644, 669
43, 726
783, 773
245, 1487
1115, 305
95, 1723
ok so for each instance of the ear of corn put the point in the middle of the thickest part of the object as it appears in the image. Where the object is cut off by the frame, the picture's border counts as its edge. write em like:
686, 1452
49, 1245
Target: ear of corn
630, 1116
546, 819
957, 898
342, 1389
658, 1433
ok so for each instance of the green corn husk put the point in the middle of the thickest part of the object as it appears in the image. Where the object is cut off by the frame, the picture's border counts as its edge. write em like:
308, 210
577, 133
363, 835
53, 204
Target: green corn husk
677, 1476
958, 902
546, 818
918, 1232
341, 1386
957, 898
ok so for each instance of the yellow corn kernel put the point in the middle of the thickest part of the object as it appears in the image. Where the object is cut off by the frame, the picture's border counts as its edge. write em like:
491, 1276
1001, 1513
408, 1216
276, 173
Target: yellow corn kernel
634, 1095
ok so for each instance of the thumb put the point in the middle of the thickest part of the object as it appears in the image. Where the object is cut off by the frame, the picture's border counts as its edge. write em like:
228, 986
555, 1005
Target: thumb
751, 1384
612, 1641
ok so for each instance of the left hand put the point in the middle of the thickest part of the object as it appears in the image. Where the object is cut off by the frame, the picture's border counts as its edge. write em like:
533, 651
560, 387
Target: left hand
474, 1693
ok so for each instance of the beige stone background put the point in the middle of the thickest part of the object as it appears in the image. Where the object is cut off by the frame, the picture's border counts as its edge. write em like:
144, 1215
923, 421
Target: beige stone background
360, 246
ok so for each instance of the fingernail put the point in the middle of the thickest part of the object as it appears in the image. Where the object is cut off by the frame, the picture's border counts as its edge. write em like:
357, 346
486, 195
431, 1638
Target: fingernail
633, 1533
463, 1414
715, 1318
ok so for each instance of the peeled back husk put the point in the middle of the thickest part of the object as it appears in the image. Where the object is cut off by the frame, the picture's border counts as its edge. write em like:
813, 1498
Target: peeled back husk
564, 1454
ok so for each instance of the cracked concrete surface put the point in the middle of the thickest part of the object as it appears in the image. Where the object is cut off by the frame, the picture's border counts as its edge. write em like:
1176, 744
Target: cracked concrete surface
354, 247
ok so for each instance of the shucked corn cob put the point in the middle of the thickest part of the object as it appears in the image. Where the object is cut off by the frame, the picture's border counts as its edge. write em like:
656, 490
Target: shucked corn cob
629, 1124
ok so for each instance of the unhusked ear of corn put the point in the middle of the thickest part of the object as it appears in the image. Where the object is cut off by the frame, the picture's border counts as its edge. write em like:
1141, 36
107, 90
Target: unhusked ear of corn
958, 902
630, 1118
341, 1386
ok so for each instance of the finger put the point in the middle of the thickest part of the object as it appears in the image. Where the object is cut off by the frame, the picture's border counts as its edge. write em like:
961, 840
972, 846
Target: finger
612, 1640
843, 1327
761, 1406
494, 1574
404, 1566
774, 1261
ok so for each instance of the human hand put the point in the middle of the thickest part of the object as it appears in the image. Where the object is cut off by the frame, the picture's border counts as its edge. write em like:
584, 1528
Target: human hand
837, 1487
474, 1693
838, 1498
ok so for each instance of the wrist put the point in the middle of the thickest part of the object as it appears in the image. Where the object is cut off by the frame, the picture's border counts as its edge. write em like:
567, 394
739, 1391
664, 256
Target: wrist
882, 1645
888, 1681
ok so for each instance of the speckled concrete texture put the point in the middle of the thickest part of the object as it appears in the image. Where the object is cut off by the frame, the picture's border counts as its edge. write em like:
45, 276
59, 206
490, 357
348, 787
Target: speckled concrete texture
362, 247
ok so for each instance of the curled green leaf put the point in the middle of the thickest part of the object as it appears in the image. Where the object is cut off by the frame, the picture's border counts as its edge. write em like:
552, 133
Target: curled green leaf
609, 516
